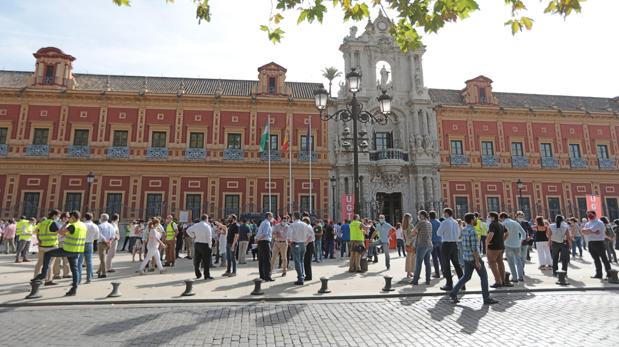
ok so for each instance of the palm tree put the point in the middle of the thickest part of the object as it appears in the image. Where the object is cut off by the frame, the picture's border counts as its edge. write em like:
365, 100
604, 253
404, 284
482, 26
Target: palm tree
331, 73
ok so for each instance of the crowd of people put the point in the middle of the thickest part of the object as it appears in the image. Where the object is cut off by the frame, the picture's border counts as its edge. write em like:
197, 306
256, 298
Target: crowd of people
65, 243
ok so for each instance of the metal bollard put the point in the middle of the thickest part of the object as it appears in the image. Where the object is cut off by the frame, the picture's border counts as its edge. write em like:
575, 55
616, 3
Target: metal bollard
387, 287
562, 275
324, 288
507, 274
612, 276
188, 288
34, 292
114, 293
257, 284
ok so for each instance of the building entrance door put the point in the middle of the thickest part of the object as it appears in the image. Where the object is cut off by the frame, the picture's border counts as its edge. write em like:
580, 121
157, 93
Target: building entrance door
391, 206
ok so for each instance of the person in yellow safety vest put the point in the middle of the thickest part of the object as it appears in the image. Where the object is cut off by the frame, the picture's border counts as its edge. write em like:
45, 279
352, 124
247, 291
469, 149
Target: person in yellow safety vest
25, 230
74, 241
481, 229
171, 231
47, 234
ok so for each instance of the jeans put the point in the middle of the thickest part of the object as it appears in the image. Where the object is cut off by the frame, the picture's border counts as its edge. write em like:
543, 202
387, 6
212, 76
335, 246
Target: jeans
609, 249
59, 252
423, 255
318, 250
343, 248
80, 261
460, 253
436, 258
449, 251
400, 247
372, 250
577, 243
298, 254
230, 259
385, 247
559, 252
307, 260
330, 249
515, 262
22, 249
482, 244
598, 253
523, 256
469, 267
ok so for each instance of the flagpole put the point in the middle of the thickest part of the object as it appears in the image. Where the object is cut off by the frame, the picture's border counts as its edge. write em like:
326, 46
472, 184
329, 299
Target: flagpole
311, 144
290, 166
269, 155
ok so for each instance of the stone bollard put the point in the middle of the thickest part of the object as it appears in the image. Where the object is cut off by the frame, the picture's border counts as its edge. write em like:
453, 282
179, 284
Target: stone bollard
507, 274
188, 288
387, 287
612, 276
34, 292
114, 293
324, 288
257, 284
562, 275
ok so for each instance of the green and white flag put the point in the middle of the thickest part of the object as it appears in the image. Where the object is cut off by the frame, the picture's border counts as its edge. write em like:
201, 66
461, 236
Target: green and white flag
264, 139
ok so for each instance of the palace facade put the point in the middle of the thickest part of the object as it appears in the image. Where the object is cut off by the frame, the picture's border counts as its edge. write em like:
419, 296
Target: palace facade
157, 145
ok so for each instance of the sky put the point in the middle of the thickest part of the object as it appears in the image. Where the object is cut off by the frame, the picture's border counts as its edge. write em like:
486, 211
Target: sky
576, 56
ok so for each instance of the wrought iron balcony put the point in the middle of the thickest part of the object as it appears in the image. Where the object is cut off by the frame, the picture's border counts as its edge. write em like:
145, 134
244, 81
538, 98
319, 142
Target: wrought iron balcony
389, 154
234, 154
78, 151
305, 156
4, 150
606, 163
550, 162
157, 153
37, 150
490, 160
520, 161
117, 152
195, 154
578, 163
459, 160
275, 155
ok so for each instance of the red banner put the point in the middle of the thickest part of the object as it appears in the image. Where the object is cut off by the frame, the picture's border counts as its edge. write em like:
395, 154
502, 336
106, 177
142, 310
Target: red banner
594, 203
348, 206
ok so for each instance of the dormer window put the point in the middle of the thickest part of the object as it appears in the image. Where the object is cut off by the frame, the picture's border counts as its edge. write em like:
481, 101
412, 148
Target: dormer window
271, 80
479, 91
49, 75
272, 85
482, 95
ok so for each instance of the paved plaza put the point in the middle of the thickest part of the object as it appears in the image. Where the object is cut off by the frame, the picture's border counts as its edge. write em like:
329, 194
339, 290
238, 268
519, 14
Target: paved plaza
525, 319
14, 282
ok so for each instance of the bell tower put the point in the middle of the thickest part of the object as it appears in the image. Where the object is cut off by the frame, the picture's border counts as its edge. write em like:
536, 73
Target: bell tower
53, 69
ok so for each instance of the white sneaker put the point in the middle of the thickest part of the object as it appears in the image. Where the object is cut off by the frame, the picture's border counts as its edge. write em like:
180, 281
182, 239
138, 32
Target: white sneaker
162, 271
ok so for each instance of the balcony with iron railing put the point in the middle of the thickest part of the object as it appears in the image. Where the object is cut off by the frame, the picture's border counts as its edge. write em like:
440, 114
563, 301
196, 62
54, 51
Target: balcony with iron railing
37, 150
78, 151
274, 154
305, 156
550, 163
4, 150
116, 152
389, 154
459, 160
195, 154
234, 154
490, 160
606, 163
578, 163
157, 153
520, 161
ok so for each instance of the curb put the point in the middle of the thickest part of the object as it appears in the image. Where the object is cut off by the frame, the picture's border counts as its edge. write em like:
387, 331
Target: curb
291, 299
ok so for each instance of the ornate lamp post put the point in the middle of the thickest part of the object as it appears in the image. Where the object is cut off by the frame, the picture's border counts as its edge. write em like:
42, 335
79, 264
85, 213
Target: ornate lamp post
333, 180
520, 186
354, 111
90, 178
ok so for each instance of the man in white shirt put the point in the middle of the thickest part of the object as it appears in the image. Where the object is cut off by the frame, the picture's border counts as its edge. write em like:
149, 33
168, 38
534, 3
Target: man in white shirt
92, 234
107, 234
595, 231
449, 231
280, 245
202, 235
299, 234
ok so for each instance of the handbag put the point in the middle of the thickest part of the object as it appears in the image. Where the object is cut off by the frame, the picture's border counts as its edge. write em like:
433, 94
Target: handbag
409, 248
359, 249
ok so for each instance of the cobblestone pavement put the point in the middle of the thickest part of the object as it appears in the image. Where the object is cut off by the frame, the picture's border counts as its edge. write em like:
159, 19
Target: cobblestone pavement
532, 319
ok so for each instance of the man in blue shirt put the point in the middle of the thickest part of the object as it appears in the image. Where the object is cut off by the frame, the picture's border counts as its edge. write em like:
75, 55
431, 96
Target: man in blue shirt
383, 228
264, 236
472, 261
513, 240
345, 239
436, 244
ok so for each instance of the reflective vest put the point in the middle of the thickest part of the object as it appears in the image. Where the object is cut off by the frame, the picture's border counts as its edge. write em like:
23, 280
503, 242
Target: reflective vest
75, 242
47, 238
169, 231
27, 226
356, 234
481, 229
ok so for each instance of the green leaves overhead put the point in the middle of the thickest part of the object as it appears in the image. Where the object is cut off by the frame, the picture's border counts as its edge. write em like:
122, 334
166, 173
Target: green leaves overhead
410, 18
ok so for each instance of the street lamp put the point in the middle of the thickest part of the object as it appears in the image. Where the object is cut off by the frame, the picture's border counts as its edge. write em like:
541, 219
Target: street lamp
333, 180
520, 186
354, 111
90, 178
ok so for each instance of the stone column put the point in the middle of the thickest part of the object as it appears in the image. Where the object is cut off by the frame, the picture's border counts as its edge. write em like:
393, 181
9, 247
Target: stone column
430, 190
420, 191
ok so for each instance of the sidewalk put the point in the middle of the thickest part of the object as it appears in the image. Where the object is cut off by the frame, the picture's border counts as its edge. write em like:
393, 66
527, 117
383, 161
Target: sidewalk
14, 279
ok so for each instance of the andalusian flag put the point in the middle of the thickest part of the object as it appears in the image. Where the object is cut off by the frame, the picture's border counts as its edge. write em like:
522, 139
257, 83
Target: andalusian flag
285, 143
264, 139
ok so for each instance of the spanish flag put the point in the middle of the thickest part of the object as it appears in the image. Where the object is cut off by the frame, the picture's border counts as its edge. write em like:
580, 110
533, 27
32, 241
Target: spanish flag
285, 143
